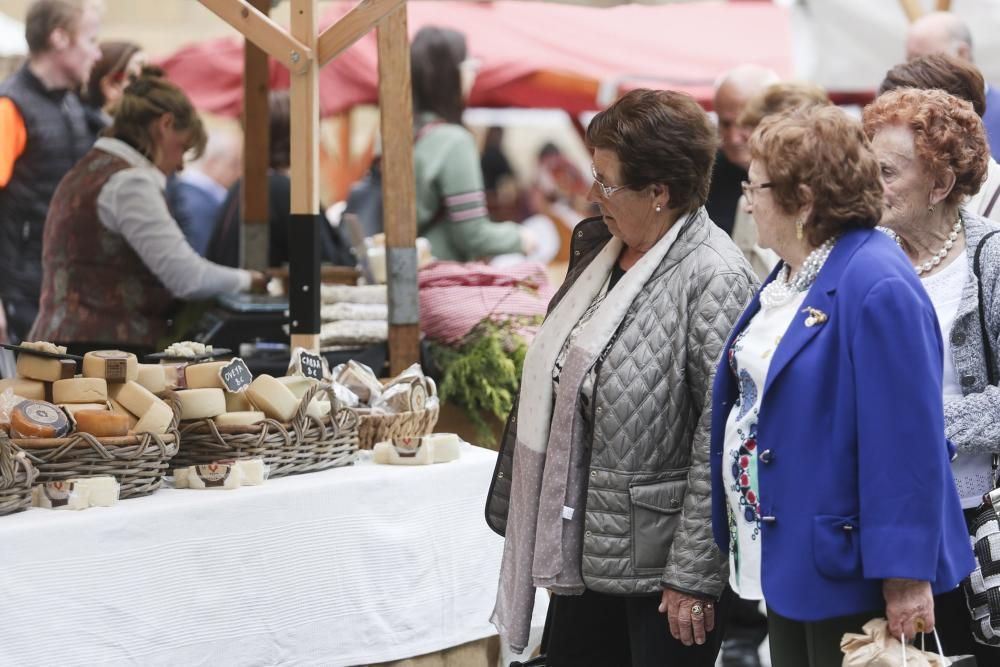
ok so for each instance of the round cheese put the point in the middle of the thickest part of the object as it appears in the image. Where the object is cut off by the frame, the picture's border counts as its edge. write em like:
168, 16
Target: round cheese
205, 376
273, 398
237, 402
38, 419
80, 390
101, 423
112, 365
298, 384
201, 403
152, 377
156, 420
240, 418
133, 397
30, 389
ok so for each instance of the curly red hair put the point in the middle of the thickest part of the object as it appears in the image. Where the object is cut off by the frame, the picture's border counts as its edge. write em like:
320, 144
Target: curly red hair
947, 134
825, 149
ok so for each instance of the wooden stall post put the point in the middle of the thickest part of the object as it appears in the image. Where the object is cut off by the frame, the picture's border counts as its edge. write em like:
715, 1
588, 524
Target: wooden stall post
303, 233
255, 230
398, 190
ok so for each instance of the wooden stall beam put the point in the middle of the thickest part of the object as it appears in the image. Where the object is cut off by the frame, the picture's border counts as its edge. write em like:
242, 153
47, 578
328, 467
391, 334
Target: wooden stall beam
304, 285
292, 52
913, 9
354, 25
398, 188
255, 231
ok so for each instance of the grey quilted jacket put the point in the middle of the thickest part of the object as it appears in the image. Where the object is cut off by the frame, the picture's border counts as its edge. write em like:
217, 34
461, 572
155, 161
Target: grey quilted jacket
648, 518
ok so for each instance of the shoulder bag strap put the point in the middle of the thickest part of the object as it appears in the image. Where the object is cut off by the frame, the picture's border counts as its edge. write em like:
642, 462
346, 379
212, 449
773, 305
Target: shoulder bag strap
993, 201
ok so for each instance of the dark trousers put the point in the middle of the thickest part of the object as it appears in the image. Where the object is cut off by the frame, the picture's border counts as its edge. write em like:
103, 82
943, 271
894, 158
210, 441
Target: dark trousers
746, 623
811, 644
20, 318
599, 630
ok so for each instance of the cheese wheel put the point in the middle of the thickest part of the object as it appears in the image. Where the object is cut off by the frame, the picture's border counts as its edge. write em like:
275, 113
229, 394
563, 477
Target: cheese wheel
298, 384
119, 409
273, 398
80, 390
237, 402
318, 409
112, 365
205, 376
134, 397
156, 420
38, 419
101, 423
240, 418
152, 377
30, 389
38, 368
201, 403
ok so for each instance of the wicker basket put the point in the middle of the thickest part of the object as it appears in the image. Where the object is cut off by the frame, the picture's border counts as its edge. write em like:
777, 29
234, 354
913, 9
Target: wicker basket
138, 461
379, 427
16, 477
303, 445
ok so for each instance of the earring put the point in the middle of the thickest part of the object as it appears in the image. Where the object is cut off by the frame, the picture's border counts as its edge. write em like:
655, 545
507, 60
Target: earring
930, 209
658, 208
799, 225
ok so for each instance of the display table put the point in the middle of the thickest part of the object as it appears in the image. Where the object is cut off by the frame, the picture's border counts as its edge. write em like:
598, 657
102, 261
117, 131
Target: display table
349, 566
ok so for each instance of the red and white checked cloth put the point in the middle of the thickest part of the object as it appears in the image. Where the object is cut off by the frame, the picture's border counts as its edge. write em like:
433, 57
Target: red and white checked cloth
456, 296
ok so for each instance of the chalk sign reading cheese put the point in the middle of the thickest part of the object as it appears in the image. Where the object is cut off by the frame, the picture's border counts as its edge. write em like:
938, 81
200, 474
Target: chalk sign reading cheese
236, 376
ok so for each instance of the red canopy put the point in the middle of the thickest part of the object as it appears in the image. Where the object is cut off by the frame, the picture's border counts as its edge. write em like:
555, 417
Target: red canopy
532, 54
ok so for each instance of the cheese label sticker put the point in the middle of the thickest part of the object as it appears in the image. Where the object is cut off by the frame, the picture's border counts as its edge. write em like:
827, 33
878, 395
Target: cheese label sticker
311, 365
236, 376
42, 414
115, 365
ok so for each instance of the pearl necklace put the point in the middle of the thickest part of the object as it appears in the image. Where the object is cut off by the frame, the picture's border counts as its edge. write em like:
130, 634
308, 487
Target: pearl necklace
943, 252
780, 291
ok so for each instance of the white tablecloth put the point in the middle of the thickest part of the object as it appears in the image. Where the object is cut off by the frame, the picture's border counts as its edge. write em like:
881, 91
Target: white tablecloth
349, 566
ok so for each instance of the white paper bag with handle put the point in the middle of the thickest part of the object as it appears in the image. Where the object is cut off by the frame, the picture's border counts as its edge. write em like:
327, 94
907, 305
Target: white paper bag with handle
877, 648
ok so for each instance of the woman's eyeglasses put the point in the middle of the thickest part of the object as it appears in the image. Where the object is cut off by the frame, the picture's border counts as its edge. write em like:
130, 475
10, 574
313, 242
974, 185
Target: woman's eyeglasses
749, 189
606, 190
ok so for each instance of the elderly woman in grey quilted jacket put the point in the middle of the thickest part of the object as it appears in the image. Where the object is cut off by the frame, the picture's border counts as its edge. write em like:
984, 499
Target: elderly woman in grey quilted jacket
602, 487
933, 155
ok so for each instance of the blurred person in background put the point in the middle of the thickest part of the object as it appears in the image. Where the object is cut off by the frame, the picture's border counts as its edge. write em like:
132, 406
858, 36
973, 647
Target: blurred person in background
119, 64
43, 132
503, 194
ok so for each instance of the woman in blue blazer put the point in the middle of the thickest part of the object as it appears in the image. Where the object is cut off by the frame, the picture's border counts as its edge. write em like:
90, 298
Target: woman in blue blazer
832, 491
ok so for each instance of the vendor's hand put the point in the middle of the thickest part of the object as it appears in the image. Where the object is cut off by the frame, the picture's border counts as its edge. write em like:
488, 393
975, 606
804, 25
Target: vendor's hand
258, 282
909, 607
529, 243
686, 625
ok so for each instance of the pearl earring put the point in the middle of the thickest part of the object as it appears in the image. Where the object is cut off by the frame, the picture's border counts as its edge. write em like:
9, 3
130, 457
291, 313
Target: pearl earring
658, 208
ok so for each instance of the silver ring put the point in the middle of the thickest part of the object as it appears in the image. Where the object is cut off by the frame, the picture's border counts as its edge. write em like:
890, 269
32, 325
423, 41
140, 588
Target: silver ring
708, 606
696, 609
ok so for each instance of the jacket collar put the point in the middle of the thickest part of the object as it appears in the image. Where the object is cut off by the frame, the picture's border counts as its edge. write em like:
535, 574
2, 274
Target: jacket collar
976, 227
819, 297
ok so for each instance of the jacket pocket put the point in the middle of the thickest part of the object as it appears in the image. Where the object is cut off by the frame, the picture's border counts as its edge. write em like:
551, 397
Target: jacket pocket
837, 546
655, 513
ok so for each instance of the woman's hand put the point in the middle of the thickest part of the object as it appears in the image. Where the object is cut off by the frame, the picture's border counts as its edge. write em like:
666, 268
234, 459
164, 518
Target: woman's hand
909, 607
690, 618
258, 282
529, 242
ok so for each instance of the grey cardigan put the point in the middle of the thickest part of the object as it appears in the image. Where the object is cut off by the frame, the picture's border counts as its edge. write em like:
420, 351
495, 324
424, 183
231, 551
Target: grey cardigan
972, 423
648, 513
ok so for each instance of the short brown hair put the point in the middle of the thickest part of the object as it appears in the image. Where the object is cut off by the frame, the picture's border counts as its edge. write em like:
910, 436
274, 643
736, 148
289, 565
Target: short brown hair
46, 16
660, 136
940, 71
144, 101
780, 97
825, 149
114, 59
947, 134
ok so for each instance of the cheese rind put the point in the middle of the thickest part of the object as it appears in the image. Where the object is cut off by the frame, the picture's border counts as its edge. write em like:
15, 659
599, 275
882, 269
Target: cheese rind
205, 376
240, 418
133, 397
101, 423
273, 398
38, 419
152, 377
80, 390
30, 389
112, 365
201, 403
156, 420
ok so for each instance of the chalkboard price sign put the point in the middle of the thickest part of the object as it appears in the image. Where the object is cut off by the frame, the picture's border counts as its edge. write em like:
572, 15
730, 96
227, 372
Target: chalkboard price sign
236, 376
311, 365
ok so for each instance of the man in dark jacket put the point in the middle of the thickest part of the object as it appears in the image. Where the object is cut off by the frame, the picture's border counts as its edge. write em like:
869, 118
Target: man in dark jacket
43, 132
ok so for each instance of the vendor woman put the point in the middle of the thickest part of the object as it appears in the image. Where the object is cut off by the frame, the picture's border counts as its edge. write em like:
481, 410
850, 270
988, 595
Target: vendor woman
114, 259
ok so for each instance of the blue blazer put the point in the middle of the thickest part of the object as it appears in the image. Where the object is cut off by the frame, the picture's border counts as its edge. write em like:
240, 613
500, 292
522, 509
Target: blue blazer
853, 466
991, 120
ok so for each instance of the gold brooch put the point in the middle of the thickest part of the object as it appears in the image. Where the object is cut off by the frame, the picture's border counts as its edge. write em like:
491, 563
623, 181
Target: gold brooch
816, 316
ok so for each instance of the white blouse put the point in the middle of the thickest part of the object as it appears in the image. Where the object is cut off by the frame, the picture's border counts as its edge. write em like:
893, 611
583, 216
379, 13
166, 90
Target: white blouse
749, 360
